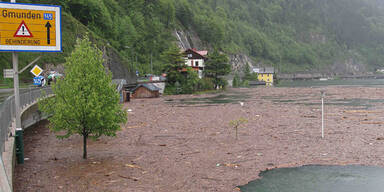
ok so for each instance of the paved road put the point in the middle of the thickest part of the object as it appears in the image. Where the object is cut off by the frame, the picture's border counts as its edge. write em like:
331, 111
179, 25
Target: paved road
5, 90
5, 93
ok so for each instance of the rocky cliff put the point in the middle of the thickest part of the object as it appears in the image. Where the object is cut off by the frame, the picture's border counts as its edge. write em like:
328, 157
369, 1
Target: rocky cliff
118, 66
190, 39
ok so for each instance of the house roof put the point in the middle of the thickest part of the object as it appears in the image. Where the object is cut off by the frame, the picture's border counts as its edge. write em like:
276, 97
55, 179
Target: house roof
149, 86
192, 68
119, 83
202, 53
267, 70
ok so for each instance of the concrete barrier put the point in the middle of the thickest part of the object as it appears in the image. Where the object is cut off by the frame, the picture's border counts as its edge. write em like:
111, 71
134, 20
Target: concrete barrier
29, 116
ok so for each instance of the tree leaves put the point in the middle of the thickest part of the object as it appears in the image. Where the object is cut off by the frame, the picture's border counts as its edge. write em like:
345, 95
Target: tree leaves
85, 102
216, 67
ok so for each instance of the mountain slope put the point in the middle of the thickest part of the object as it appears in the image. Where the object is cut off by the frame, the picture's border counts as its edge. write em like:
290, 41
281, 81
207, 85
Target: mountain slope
327, 36
71, 30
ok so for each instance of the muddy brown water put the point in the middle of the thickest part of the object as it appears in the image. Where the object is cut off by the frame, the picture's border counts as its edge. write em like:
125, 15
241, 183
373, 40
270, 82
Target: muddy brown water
332, 82
169, 144
323, 178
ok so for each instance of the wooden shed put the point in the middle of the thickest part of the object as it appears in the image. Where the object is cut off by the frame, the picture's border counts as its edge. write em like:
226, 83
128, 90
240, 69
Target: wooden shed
147, 90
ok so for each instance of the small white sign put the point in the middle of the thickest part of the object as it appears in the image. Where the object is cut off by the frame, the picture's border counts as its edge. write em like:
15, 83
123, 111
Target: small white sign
36, 70
8, 73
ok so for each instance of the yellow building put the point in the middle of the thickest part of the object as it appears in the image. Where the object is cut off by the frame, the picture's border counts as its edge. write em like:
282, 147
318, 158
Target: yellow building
266, 75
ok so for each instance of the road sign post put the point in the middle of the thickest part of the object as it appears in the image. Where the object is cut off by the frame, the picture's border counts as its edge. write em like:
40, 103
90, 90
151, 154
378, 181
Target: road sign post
19, 130
27, 27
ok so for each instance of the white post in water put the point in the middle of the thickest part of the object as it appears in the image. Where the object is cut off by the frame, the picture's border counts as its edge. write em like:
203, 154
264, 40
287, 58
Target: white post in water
322, 113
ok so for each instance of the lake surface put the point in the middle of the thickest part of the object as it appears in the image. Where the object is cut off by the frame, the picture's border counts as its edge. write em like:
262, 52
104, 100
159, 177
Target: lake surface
236, 97
222, 98
316, 178
340, 82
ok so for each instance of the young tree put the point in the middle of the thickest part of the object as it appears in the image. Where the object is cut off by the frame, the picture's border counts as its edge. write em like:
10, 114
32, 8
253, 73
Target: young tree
191, 81
247, 73
217, 66
86, 101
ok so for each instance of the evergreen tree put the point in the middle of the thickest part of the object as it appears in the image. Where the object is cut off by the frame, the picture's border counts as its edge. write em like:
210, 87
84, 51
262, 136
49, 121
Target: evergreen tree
86, 101
174, 62
216, 67
247, 73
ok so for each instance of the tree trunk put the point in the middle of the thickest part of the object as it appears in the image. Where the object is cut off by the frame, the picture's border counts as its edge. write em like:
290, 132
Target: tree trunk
236, 132
85, 146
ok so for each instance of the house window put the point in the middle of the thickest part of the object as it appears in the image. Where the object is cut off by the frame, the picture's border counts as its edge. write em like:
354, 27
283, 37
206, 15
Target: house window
196, 63
189, 55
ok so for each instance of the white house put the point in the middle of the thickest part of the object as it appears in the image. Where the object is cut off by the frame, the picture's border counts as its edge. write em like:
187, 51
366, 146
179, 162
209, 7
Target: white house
196, 60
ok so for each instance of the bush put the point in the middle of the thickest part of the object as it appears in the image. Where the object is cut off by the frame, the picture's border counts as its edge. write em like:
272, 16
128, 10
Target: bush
236, 81
245, 83
222, 83
205, 84
169, 90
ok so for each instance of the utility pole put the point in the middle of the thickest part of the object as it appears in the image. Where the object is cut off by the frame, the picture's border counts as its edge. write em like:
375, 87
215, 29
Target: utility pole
44, 46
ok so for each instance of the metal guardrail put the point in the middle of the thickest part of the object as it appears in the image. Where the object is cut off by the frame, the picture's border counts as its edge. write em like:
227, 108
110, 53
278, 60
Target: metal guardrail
7, 110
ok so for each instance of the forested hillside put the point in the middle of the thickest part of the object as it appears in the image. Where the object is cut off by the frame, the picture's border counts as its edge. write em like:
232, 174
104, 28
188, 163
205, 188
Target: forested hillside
293, 36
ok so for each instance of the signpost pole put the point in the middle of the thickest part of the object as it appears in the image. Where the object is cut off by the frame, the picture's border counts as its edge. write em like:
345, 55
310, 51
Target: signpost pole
19, 130
15, 61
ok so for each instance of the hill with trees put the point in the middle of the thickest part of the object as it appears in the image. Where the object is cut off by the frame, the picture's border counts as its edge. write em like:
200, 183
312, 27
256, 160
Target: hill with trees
328, 36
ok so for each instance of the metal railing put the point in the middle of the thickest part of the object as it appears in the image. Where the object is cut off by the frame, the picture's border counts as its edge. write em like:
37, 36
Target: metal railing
7, 110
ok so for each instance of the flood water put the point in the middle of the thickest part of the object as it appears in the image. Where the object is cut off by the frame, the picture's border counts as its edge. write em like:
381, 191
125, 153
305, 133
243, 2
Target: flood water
236, 97
316, 178
334, 82
358, 103
224, 97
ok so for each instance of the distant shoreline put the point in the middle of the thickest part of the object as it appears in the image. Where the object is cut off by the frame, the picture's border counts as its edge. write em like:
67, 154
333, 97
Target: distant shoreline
308, 76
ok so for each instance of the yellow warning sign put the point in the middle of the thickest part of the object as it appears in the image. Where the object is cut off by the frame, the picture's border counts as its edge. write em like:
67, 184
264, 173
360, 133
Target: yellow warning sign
25, 27
36, 70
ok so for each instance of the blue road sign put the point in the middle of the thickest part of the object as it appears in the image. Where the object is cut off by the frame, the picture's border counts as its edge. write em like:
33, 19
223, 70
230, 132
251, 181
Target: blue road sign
38, 80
